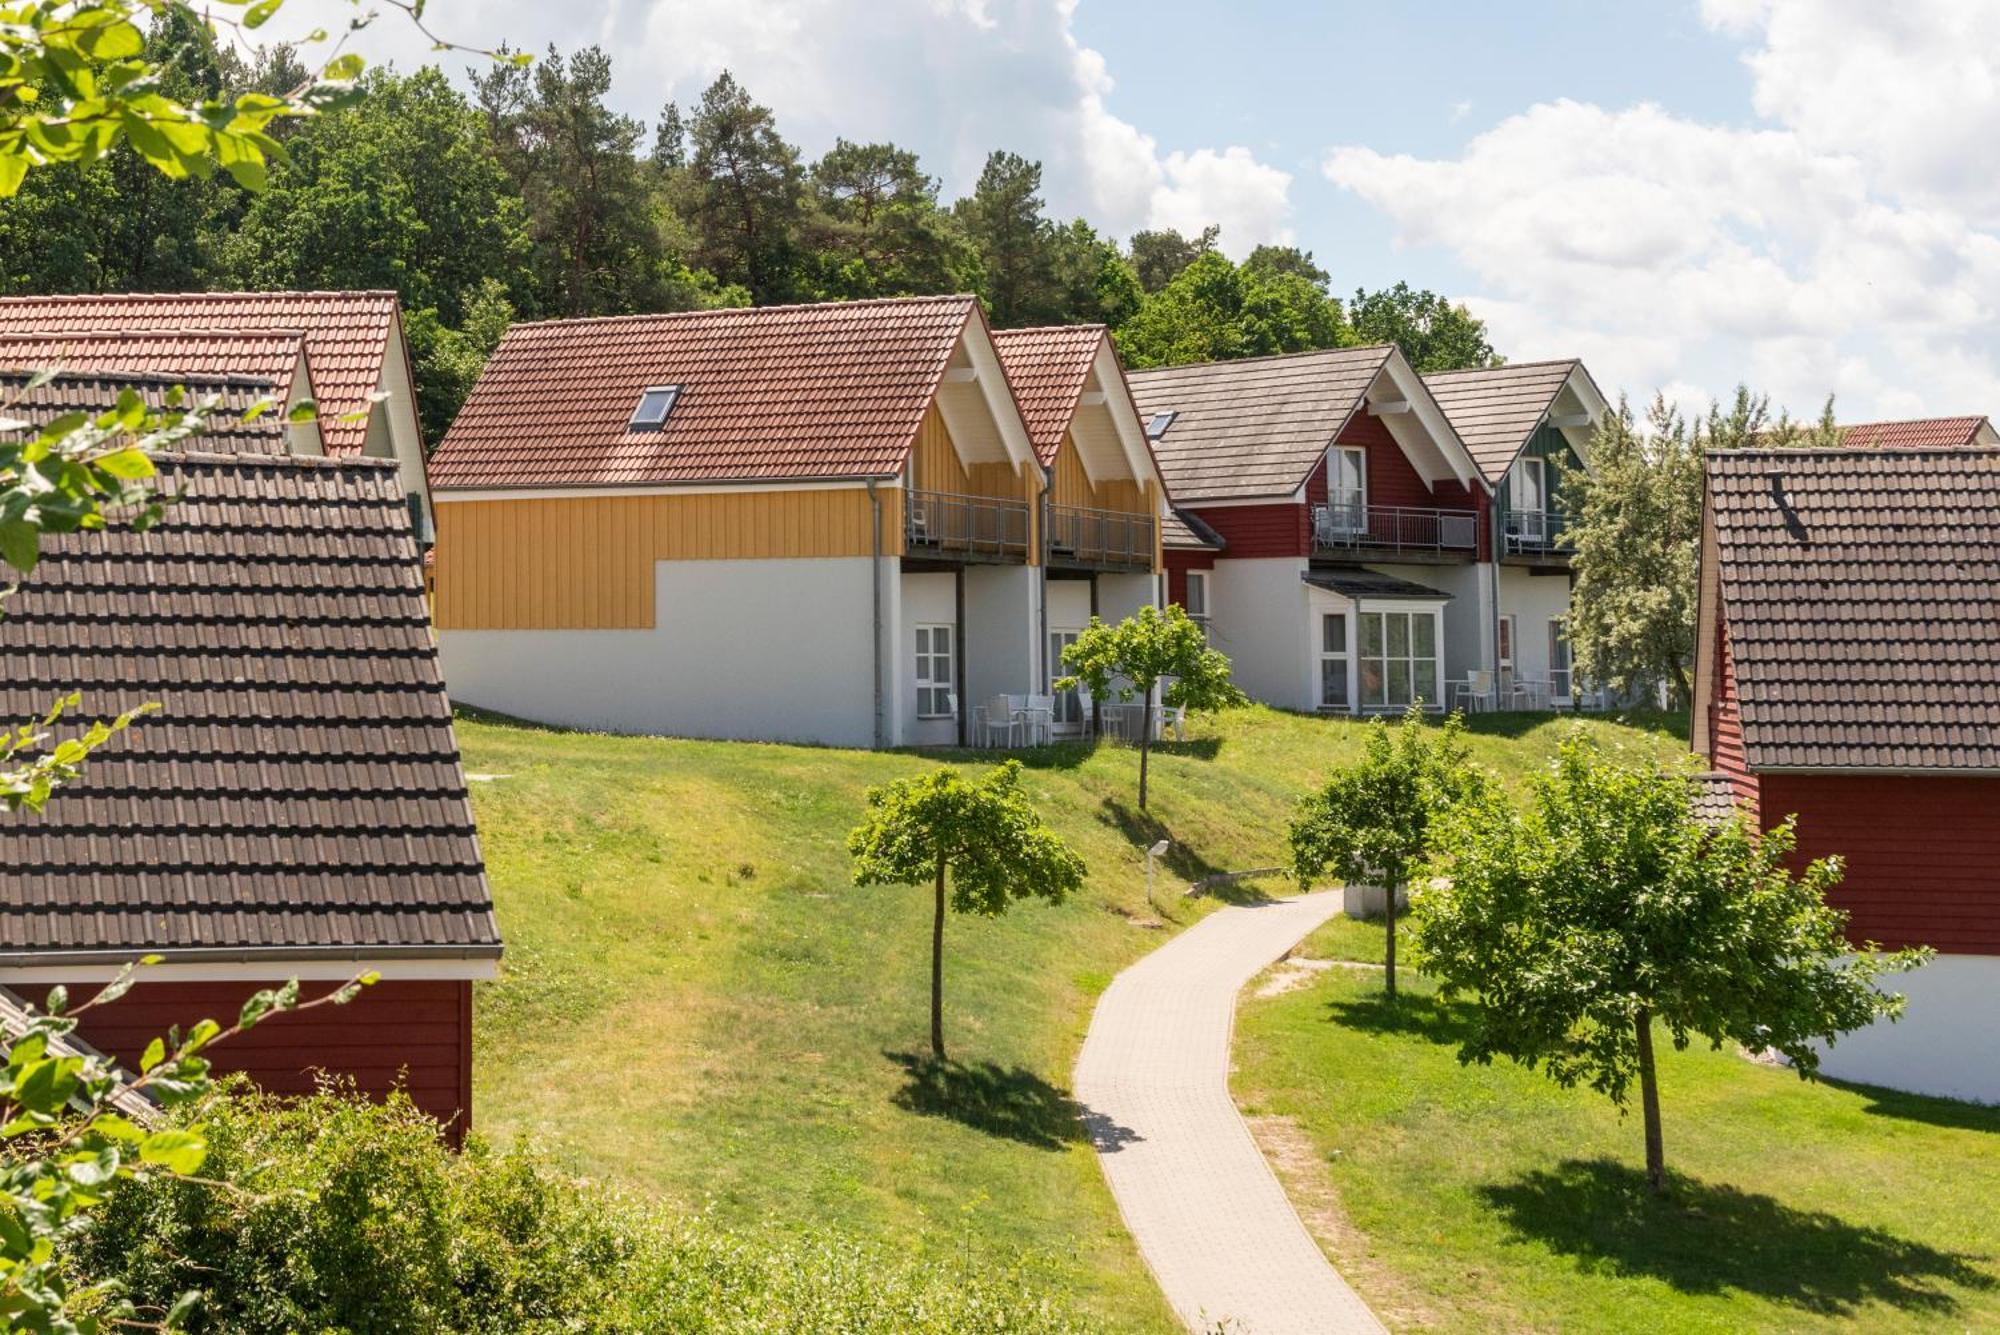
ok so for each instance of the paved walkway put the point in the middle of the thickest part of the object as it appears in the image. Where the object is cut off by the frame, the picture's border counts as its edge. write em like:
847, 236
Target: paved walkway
1210, 1218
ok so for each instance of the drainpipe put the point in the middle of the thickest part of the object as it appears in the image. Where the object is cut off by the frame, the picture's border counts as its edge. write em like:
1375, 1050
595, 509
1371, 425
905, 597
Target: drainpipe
875, 591
1042, 655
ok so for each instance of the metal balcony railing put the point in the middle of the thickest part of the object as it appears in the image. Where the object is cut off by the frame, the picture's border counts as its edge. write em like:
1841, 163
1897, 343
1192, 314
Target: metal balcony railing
1532, 530
1345, 527
947, 523
1100, 537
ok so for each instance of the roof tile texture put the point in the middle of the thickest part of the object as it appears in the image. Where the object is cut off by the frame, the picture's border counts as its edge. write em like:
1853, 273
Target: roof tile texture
346, 333
229, 430
774, 393
1256, 427
300, 785
1048, 369
272, 358
1495, 409
1862, 594
1916, 434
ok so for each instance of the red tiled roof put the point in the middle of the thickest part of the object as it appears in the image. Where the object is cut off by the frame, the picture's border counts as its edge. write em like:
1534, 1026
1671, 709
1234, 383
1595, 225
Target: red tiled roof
1048, 368
768, 394
272, 358
1918, 433
346, 333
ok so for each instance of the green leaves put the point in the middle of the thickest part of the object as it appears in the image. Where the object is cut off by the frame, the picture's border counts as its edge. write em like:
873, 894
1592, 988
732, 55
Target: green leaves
179, 1152
987, 833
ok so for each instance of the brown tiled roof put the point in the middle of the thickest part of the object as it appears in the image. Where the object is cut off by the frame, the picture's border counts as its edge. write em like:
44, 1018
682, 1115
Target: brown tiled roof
1861, 590
1048, 369
1188, 532
346, 333
1919, 433
1712, 797
272, 358
229, 431
1495, 409
773, 393
1255, 427
299, 790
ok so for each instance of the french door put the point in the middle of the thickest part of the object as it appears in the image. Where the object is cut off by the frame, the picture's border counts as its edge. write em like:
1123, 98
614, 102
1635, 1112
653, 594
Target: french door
1069, 704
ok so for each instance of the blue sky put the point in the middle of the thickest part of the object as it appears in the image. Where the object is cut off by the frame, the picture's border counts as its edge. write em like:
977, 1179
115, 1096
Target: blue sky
1688, 194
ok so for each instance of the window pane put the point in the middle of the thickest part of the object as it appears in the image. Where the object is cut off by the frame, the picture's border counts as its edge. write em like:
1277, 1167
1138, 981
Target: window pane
1333, 682
1399, 635
1372, 683
1197, 594
1423, 636
1399, 682
1423, 679
1371, 634
1333, 633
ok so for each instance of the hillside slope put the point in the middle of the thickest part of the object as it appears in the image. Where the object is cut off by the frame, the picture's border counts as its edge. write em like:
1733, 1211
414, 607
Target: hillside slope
696, 1001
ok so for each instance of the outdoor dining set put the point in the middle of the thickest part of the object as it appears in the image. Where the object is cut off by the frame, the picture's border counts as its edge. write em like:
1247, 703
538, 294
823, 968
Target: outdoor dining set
1036, 720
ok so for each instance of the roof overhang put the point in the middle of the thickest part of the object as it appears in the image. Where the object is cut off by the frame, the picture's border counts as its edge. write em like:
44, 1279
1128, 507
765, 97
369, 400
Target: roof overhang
1588, 402
1405, 405
978, 404
1707, 618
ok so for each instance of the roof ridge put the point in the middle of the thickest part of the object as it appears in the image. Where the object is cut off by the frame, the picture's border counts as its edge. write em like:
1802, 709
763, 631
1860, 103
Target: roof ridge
82, 298
236, 378
1383, 348
1098, 327
928, 298
1912, 421
177, 331
1853, 451
1505, 366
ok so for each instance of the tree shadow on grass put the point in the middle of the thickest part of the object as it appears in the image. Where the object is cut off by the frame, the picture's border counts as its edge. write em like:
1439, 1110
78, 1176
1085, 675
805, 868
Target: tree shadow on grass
1923, 1108
1709, 1239
1414, 1014
1013, 1104
1142, 830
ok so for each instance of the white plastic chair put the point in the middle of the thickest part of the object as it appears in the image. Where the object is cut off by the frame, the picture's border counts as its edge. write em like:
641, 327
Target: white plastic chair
1038, 717
1476, 691
1002, 720
1173, 718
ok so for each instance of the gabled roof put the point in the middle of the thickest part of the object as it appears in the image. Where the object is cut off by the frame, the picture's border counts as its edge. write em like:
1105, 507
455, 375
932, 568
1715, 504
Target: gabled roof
1048, 369
775, 393
1861, 589
274, 358
346, 334
1495, 409
1919, 433
229, 430
299, 791
1258, 427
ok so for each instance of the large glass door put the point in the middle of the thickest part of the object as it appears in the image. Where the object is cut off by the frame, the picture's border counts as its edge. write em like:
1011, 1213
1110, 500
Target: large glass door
1398, 659
1069, 704
1347, 489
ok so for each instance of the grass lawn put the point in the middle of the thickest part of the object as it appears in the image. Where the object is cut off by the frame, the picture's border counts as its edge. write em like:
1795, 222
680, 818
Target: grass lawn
1469, 1198
696, 1002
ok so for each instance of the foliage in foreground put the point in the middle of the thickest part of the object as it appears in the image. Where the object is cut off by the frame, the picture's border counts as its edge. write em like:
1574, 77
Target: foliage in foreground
1604, 907
340, 1214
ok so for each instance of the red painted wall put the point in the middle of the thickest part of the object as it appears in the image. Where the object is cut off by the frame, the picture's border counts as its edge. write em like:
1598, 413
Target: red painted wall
1725, 723
1923, 852
416, 1033
1178, 564
1280, 528
1394, 481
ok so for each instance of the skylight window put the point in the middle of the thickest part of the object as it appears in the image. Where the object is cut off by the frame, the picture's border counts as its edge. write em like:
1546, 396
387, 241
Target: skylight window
654, 405
1157, 424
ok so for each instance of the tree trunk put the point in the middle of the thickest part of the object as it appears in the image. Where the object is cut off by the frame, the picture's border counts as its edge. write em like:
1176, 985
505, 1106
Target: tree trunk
1145, 749
937, 969
1390, 884
1649, 1100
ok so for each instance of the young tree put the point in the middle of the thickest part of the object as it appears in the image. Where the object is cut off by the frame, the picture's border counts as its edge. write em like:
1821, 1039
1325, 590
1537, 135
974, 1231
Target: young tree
1132, 658
1434, 333
1605, 909
984, 836
1378, 820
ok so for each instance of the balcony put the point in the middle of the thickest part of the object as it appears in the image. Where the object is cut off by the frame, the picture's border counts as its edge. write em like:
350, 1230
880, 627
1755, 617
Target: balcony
966, 528
1100, 539
1394, 532
1534, 536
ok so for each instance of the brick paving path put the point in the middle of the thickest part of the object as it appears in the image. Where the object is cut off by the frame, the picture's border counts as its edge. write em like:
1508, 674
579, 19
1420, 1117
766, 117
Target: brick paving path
1208, 1214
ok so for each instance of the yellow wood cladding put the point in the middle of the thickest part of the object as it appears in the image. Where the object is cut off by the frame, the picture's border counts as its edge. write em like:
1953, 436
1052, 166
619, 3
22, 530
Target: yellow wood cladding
586, 562
1072, 486
935, 466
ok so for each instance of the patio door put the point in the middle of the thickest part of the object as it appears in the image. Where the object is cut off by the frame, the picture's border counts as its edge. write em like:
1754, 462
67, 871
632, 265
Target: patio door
1347, 489
1559, 670
1069, 704
1530, 520
1506, 655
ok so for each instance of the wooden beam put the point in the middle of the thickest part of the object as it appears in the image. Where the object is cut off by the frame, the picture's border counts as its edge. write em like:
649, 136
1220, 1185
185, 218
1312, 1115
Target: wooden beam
1091, 398
961, 375
1389, 408
1567, 421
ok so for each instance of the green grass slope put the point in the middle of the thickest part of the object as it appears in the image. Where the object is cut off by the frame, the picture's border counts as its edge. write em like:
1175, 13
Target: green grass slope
695, 1001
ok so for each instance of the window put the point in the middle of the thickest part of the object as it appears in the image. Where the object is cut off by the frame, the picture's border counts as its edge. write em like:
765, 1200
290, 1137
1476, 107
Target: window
420, 520
934, 675
1347, 488
1528, 517
1558, 659
1069, 704
1399, 662
1157, 424
1507, 653
1197, 595
1333, 661
654, 405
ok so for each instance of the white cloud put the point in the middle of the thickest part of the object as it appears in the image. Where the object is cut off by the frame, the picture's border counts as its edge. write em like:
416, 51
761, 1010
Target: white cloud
1847, 245
952, 79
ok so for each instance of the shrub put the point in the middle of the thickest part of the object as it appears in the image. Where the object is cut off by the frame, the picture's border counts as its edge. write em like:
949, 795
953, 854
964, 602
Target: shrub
340, 1214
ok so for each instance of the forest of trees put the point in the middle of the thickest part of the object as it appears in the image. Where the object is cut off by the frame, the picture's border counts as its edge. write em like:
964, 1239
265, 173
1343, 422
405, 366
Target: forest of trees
523, 195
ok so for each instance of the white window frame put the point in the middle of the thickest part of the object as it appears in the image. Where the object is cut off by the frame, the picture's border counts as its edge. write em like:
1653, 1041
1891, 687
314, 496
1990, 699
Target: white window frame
1344, 656
1523, 520
1431, 691
1197, 579
1559, 638
1069, 704
1506, 649
1349, 516
928, 657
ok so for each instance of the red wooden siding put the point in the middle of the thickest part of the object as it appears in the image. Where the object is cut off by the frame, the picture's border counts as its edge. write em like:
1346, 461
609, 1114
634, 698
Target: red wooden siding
1725, 723
1178, 564
413, 1033
1394, 481
1923, 852
1280, 528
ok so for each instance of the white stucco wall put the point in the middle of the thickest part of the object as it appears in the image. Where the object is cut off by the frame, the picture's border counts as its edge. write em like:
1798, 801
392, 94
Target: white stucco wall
772, 650
1533, 600
1119, 596
1260, 621
1002, 632
1948, 1041
924, 599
